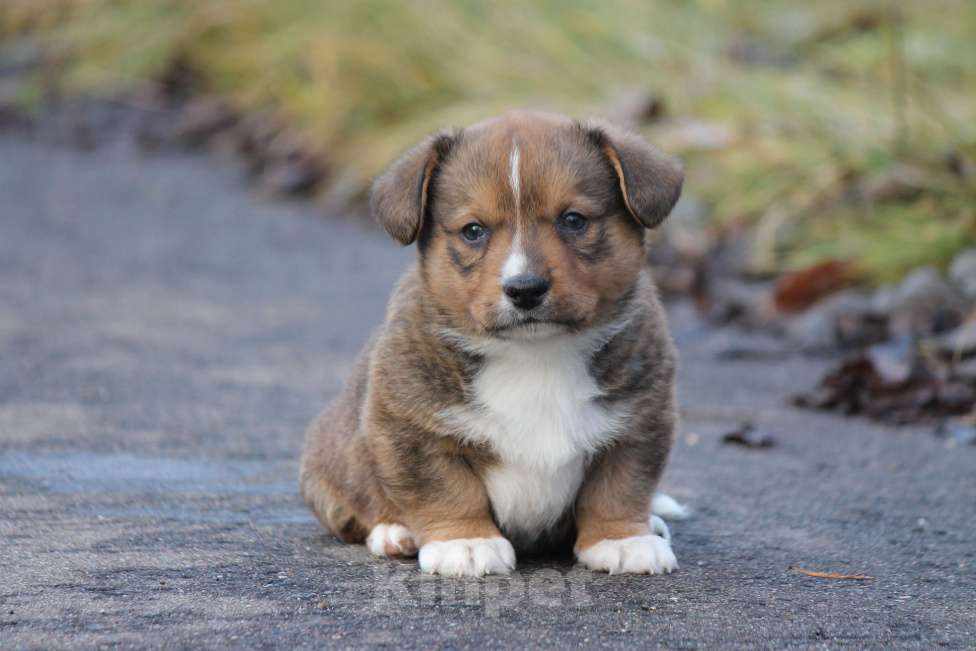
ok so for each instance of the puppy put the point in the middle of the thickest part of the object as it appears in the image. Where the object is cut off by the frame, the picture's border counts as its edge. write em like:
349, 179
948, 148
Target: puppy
520, 393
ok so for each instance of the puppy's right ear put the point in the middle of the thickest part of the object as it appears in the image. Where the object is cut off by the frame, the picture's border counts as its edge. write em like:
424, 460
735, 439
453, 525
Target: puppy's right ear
650, 181
399, 198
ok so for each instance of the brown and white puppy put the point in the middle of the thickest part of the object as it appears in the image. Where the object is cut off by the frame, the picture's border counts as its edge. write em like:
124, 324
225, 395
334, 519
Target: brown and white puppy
521, 390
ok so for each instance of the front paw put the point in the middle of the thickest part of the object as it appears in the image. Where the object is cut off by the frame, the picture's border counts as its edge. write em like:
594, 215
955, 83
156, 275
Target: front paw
636, 555
467, 557
391, 540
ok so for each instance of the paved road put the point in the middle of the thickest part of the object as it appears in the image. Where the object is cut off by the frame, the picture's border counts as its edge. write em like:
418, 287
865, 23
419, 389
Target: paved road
165, 336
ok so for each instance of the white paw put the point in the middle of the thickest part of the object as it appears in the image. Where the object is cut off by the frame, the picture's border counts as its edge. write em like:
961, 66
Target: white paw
467, 557
636, 555
391, 540
668, 508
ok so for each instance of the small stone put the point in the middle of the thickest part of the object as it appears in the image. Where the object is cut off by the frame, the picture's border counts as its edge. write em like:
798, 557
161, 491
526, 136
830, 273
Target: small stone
958, 432
750, 436
813, 331
847, 319
925, 287
893, 361
960, 342
924, 299
884, 299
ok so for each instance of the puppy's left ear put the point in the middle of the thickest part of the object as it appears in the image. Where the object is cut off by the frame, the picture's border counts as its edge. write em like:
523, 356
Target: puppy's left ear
400, 198
650, 180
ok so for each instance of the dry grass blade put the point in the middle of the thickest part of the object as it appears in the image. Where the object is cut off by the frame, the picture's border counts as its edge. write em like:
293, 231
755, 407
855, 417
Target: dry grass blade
831, 575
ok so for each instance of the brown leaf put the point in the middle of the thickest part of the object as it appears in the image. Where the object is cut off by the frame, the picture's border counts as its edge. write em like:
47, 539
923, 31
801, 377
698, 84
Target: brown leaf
799, 290
893, 383
831, 575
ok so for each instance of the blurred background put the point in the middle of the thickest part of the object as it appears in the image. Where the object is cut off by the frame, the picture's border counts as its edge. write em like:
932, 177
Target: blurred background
827, 145
832, 130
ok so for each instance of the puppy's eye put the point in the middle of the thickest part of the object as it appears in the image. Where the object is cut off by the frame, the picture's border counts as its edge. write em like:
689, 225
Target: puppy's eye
572, 222
473, 232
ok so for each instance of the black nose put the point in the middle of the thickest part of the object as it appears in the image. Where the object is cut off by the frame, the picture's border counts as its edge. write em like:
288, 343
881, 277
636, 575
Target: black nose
526, 290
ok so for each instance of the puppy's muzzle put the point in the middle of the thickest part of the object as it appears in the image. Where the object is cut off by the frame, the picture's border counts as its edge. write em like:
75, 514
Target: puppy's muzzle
526, 291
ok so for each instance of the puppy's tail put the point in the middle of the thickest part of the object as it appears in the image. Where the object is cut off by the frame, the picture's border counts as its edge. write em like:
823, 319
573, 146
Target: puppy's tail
667, 507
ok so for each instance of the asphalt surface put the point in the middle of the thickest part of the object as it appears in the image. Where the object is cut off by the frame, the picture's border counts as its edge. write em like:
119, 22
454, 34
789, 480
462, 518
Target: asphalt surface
165, 337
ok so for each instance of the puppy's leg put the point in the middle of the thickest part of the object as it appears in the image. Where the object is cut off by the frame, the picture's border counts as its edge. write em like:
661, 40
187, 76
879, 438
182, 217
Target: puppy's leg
340, 487
338, 479
325, 477
456, 532
616, 532
487, 554
445, 504
334, 512
350, 513
355, 509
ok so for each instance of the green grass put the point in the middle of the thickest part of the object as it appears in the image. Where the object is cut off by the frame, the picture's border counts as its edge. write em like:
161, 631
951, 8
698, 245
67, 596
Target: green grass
861, 91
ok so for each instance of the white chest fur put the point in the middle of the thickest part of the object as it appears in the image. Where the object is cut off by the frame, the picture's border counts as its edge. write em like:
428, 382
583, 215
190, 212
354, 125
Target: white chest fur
534, 405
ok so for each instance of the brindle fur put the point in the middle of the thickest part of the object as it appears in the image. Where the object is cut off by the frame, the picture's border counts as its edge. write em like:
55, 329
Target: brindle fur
382, 453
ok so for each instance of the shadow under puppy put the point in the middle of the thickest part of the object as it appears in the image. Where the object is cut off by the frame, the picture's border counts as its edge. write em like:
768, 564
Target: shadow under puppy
520, 393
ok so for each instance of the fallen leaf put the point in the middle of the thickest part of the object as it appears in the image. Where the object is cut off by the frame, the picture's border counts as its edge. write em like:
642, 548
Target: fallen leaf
831, 575
750, 436
799, 290
841, 388
893, 383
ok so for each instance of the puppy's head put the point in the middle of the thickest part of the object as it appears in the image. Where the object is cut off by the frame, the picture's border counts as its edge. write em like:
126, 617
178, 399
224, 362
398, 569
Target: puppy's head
530, 224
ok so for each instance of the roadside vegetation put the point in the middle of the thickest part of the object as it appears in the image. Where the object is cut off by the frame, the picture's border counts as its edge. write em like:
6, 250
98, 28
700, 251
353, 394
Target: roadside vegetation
833, 130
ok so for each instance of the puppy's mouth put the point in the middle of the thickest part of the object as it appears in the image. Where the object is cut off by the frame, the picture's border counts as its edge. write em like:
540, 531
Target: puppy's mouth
530, 327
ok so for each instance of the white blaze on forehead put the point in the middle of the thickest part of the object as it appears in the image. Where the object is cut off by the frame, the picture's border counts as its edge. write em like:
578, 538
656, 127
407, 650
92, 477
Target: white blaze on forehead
513, 174
516, 263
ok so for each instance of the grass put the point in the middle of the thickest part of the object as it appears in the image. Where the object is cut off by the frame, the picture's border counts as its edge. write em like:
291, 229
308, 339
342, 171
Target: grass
824, 100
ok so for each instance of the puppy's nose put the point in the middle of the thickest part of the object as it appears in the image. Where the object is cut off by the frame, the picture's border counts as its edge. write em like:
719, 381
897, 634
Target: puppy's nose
526, 290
